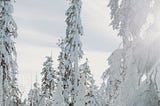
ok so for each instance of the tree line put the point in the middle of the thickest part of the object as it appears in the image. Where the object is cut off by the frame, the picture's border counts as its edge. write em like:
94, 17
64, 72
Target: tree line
130, 80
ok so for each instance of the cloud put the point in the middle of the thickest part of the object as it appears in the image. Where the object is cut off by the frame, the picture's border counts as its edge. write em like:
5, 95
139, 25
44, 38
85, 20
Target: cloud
49, 17
36, 38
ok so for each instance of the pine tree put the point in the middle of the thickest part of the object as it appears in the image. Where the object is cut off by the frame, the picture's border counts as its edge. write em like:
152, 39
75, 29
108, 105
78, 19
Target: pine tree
102, 94
82, 88
71, 52
58, 99
9, 92
49, 80
90, 97
87, 91
61, 68
34, 96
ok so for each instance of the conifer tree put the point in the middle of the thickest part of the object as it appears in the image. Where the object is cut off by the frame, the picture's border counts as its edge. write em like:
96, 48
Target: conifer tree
82, 88
71, 52
34, 96
9, 92
86, 90
58, 99
49, 80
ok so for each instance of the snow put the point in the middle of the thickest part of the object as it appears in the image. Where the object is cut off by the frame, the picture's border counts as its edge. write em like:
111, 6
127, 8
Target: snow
132, 78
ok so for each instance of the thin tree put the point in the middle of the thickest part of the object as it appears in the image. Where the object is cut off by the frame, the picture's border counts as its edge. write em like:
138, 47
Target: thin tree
49, 80
34, 96
87, 91
71, 52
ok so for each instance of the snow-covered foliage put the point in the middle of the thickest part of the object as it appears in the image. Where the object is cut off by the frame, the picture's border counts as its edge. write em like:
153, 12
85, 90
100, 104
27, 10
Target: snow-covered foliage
49, 81
113, 76
34, 96
9, 92
102, 94
130, 79
71, 52
80, 99
128, 17
58, 99
87, 90
139, 80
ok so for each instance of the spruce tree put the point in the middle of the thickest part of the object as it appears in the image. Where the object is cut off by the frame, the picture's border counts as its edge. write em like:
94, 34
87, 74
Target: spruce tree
87, 91
34, 96
9, 92
71, 52
58, 99
49, 80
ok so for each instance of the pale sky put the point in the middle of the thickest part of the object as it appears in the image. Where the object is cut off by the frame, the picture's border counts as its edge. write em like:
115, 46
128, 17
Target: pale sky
40, 25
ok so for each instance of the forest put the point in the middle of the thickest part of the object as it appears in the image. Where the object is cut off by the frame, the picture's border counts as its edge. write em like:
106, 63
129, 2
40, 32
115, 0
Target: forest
132, 78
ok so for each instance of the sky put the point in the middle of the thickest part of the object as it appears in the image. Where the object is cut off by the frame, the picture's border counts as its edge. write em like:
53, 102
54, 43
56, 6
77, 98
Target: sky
41, 23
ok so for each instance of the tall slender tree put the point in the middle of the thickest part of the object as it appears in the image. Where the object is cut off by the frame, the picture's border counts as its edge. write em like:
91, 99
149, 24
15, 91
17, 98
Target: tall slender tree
71, 51
87, 91
34, 96
9, 92
49, 80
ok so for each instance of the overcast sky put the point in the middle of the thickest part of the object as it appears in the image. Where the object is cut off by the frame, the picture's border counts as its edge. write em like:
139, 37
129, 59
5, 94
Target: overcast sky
40, 25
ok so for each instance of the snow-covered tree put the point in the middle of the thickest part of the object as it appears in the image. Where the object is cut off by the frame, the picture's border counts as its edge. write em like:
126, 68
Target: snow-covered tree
130, 65
80, 98
91, 95
102, 95
87, 91
71, 52
49, 80
58, 99
128, 17
132, 72
112, 76
9, 92
34, 96
61, 68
